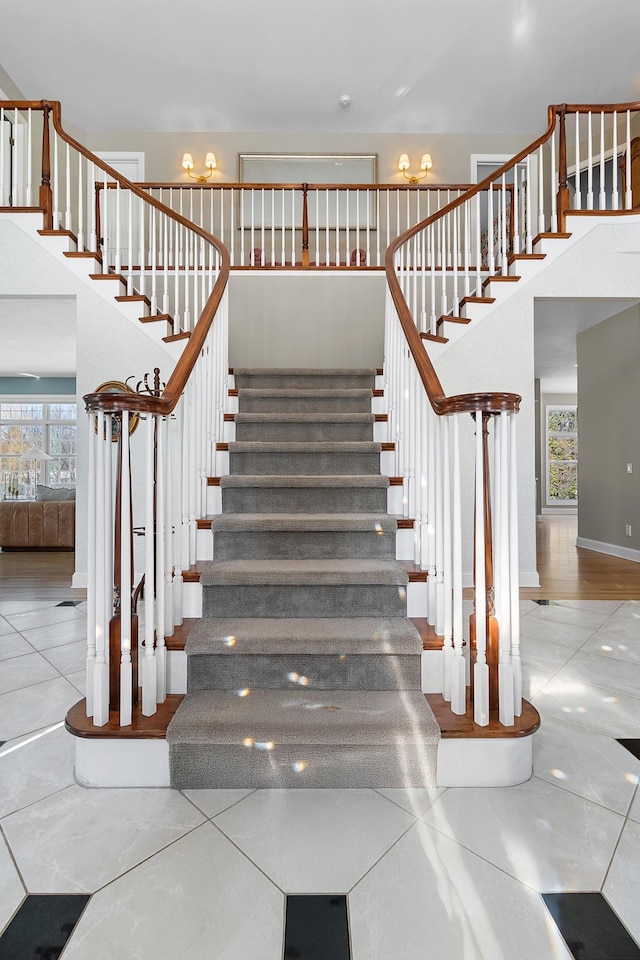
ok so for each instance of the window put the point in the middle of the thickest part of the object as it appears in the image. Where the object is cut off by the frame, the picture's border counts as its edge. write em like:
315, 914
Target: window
49, 425
562, 456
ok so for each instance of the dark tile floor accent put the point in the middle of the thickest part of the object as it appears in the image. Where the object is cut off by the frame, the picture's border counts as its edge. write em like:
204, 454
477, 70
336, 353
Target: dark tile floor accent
590, 927
69, 603
2, 743
543, 603
317, 928
633, 746
42, 926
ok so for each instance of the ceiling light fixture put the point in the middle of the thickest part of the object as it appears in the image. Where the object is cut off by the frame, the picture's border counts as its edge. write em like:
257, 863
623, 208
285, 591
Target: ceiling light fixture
209, 162
345, 100
425, 166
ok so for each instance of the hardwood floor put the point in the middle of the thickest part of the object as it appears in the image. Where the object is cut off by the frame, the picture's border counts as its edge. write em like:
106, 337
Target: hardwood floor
38, 575
566, 572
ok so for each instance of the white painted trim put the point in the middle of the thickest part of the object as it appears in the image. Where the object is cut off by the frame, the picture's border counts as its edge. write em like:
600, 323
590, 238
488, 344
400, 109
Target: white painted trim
122, 763
611, 549
502, 762
79, 580
130, 163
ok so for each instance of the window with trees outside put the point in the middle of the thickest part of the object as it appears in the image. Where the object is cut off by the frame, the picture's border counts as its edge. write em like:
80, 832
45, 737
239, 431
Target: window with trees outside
46, 424
562, 455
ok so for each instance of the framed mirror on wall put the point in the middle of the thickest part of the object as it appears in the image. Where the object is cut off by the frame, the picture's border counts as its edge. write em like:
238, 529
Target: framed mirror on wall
327, 208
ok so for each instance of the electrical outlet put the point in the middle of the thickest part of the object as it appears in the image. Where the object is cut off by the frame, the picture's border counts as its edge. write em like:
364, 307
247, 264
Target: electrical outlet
629, 468
627, 530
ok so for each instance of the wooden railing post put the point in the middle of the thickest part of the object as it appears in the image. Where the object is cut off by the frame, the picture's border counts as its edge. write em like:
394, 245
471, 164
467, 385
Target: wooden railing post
563, 186
45, 197
305, 226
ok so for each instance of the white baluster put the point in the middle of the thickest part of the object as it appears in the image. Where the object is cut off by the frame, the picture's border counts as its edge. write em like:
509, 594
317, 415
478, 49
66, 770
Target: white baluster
505, 669
447, 571
529, 208
577, 200
67, 216
273, 227
15, 193
149, 671
126, 668
118, 258
242, 260
514, 574
615, 199
553, 185
433, 320
56, 184
480, 669
28, 193
602, 200
105, 225
515, 209
101, 669
80, 237
160, 533
478, 239
628, 193
458, 667
92, 552
541, 219
589, 162
490, 238
3, 202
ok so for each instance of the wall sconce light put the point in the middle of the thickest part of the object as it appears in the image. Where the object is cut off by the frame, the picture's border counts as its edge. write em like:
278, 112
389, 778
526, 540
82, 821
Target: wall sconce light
425, 166
209, 162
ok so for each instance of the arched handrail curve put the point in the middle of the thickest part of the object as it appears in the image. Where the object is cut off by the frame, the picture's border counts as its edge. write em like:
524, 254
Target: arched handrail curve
166, 402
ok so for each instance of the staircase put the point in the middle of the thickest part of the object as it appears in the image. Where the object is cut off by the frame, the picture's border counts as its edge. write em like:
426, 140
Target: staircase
304, 670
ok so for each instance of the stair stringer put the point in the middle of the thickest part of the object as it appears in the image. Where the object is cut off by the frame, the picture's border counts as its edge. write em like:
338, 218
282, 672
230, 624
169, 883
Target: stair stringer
600, 260
579, 225
57, 246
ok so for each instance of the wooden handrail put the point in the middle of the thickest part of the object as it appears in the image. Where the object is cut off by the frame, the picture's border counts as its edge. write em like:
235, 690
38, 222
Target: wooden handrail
440, 403
166, 402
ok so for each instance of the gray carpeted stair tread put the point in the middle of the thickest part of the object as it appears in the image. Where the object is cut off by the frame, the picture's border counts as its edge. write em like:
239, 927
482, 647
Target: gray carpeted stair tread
304, 392
328, 417
375, 522
305, 371
300, 446
331, 718
284, 635
302, 480
314, 572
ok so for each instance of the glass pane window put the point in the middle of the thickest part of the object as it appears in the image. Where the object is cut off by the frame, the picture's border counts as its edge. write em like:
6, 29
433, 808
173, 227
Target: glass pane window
562, 455
46, 425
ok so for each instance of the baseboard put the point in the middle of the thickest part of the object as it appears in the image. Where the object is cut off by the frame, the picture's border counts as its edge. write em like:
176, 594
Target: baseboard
611, 549
80, 580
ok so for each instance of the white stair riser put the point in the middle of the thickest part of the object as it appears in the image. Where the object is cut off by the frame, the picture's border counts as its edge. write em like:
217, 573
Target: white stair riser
416, 599
404, 545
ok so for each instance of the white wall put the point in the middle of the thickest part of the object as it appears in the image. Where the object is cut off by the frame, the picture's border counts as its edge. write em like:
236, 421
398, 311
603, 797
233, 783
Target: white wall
109, 347
306, 319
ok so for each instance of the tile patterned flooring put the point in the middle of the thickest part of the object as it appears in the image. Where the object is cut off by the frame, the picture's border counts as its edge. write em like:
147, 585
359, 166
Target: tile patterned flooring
456, 874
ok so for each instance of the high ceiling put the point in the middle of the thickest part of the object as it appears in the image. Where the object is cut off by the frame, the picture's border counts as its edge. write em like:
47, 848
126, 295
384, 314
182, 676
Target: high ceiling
455, 66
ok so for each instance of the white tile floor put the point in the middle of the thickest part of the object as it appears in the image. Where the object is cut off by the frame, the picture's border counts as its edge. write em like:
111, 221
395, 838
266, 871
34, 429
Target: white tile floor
441, 875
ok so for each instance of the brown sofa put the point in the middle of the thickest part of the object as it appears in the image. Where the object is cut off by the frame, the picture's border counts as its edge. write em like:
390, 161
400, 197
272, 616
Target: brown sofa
37, 524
